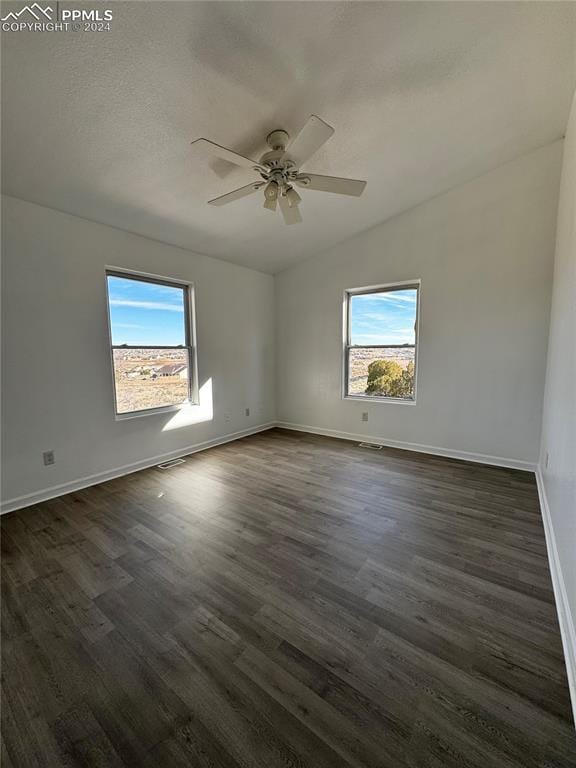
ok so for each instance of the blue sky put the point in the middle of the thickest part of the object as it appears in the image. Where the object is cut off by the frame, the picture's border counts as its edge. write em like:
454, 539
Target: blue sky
383, 318
145, 313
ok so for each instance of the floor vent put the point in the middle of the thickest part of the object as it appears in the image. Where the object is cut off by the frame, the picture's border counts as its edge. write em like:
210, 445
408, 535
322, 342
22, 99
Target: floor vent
170, 464
371, 446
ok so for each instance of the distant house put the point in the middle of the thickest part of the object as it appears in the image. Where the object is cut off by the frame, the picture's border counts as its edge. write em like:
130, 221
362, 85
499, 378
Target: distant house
173, 369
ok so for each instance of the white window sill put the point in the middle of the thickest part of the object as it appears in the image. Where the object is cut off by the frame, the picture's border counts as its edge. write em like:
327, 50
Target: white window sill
369, 399
154, 411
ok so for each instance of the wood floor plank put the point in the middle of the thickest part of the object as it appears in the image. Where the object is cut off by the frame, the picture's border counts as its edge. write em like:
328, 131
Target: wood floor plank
285, 601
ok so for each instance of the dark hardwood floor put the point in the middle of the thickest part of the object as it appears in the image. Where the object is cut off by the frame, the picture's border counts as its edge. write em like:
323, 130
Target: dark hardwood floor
285, 600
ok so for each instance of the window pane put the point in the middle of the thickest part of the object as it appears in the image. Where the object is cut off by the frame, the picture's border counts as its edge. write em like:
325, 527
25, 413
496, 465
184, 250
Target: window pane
149, 314
381, 372
150, 378
384, 318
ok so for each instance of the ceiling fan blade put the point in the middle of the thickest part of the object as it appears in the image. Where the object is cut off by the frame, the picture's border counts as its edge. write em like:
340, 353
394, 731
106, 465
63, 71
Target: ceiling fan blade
237, 194
291, 215
210, 149
334, 184
312, 136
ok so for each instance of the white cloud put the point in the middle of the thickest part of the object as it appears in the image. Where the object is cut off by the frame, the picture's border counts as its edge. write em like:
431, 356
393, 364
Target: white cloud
368, 329
381, 316
163, 305
384, 338
406, 298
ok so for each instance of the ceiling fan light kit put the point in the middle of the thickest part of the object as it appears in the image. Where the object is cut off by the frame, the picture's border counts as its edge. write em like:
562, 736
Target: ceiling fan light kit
279, 169
293, 197
271, 196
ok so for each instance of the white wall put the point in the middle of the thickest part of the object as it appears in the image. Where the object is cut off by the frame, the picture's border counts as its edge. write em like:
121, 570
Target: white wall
484, 252
559, 419
57, 380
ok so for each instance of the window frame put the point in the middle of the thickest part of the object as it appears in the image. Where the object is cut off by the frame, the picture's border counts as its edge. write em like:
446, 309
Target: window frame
189, 336
347, 346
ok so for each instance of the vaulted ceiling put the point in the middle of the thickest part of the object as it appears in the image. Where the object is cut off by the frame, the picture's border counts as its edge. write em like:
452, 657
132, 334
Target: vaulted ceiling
423, 96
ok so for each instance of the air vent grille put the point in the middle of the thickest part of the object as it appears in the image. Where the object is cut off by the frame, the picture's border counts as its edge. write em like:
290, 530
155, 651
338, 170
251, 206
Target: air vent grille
370, 446
170, 464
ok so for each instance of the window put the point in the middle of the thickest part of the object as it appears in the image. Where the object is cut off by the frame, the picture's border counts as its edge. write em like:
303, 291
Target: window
381, 326
151, 338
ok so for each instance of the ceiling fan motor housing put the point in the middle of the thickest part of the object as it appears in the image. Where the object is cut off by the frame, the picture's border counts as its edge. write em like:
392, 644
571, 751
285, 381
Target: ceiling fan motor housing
278, 139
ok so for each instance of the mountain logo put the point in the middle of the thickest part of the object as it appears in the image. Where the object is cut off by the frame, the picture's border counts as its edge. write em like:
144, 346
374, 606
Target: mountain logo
35, 10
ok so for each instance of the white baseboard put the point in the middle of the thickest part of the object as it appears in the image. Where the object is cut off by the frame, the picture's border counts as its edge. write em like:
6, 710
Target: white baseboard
479, 458
565, 618
101, 477
84, 482
10, 505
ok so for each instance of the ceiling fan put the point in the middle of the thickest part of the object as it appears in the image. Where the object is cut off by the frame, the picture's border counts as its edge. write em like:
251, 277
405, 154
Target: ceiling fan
280, 169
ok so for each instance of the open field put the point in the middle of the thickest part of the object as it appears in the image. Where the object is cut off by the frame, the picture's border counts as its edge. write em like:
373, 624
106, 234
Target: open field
140, 382
140, 385
361, 358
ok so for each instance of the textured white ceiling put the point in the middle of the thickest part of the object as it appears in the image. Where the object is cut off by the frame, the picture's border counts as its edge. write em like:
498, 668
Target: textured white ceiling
423, 96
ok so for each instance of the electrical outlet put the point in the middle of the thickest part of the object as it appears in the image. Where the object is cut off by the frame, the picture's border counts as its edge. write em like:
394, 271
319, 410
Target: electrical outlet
547, 460
365, 416
247, 411
227, 417
48, 458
